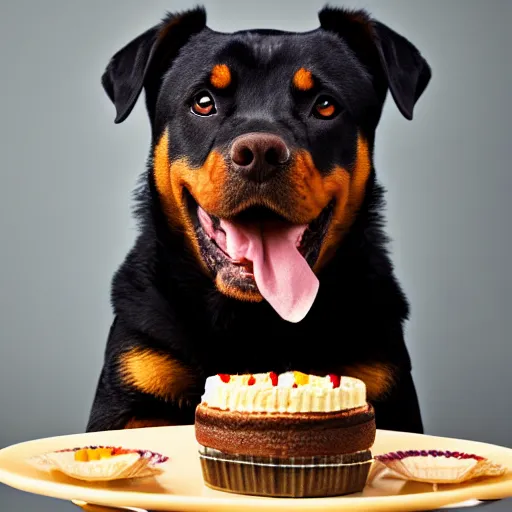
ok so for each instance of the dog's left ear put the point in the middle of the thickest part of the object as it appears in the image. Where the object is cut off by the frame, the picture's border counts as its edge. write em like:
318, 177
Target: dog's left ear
406, 71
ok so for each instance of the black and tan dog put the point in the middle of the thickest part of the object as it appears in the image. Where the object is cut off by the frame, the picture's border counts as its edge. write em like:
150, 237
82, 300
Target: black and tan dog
261, 245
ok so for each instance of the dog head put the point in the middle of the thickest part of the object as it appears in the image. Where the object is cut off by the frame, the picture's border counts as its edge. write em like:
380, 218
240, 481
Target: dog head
263, 139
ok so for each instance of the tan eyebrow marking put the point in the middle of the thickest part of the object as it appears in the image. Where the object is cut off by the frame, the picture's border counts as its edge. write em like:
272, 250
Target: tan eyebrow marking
220, 76
303, 79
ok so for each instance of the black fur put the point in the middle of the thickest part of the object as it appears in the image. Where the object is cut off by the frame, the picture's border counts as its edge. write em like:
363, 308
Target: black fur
161, 297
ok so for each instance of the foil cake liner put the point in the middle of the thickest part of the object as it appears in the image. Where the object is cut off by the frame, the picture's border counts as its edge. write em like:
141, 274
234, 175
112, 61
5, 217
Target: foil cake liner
297, 477
101, 463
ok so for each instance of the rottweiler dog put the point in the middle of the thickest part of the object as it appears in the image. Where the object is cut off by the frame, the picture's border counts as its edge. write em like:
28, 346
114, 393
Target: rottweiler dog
261, 244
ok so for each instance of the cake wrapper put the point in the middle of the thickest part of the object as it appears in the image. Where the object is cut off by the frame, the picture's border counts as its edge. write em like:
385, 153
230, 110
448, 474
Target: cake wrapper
436, 467
294, 477
133, 464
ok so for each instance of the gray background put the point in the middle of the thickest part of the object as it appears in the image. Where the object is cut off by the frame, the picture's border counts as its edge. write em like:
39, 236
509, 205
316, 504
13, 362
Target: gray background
65, 201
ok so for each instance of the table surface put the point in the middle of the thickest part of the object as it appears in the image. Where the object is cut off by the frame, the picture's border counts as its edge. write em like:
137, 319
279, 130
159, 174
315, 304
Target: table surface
12, 500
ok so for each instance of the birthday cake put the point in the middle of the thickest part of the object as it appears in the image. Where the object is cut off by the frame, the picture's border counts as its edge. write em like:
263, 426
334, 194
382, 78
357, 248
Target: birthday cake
291, 434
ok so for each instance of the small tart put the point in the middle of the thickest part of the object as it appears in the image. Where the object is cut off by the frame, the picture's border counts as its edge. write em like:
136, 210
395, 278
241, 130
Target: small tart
101, 463
438, 467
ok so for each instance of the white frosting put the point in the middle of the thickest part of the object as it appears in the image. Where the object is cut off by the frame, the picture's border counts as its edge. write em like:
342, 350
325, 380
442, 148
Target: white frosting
312, 393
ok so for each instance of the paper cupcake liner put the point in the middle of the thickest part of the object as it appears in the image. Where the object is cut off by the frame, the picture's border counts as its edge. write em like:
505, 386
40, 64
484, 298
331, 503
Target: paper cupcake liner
439, 467
296, 477
121, 464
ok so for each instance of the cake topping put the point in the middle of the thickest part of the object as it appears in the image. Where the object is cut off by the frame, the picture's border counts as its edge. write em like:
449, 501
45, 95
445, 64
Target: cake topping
100, 452
87, 454
335, 380
301, 379
291, 391
92, 453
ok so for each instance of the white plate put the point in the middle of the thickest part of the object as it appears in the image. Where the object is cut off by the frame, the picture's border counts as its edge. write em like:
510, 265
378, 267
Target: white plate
180, 487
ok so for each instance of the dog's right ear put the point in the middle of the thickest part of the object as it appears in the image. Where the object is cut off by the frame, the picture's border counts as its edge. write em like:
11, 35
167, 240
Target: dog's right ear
142, 62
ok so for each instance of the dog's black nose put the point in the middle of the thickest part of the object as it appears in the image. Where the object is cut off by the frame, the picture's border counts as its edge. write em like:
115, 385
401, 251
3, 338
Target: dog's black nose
259, 156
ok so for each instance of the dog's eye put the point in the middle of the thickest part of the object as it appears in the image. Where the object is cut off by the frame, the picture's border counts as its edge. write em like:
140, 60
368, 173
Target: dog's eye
203, 104
325, 108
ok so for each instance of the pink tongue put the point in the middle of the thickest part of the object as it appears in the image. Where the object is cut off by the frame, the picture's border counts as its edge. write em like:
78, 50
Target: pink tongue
282, 275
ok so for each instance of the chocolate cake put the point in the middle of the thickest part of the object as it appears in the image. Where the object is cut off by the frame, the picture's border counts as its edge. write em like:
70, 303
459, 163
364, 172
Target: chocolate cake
290, 435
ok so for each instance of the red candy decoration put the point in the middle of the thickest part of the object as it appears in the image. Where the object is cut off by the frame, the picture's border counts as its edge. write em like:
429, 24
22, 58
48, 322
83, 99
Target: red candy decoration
295, 385
335, 380
251, 381
119, 451
224, 377
273, 378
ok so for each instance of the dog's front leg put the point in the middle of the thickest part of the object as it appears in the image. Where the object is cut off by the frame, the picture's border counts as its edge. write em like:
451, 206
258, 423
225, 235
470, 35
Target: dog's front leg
142, 385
